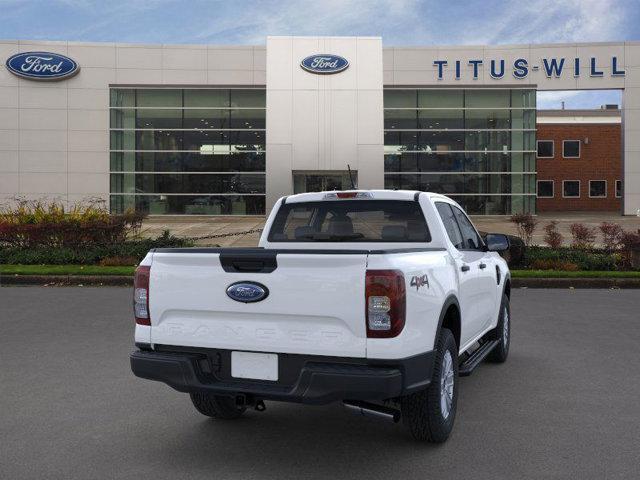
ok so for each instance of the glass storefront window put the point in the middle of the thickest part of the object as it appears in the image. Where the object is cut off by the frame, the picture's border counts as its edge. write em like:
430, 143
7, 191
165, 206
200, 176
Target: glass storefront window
187, 162
460, 135
440, 99
157, 139
248, 98
123, 118
523, 140
424, 162
158, 118
400, 141
451, 184
497, 140
247, 118
400, 98
214, 118
441, 119
122, 98
523, 119
174, 143
158, 98
201, 98
187, 183
441, 140
123, 140
190, 204
236, 139
188, 119
401, 119
487, 98
523, 98
323, 181
224, 98
488, 118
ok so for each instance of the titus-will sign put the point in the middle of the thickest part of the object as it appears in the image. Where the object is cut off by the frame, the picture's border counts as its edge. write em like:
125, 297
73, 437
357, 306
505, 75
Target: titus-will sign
42, 66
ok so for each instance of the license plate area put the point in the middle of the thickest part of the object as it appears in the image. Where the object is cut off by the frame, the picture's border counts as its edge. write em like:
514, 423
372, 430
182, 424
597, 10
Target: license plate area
254, 366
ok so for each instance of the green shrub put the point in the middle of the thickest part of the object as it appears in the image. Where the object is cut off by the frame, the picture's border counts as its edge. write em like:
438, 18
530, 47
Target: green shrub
542, 264
135, 249
37, 224
611, 235
584, 259
525, 225
583, 236
552, 236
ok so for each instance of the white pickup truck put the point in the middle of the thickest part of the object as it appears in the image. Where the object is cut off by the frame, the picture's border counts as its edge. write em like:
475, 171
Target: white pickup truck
379, 299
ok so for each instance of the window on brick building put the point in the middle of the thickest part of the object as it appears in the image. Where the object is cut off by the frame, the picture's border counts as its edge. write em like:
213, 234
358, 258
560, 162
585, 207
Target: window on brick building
618, 188
571, 148
545, 149
571, 188
597, 188
545, 188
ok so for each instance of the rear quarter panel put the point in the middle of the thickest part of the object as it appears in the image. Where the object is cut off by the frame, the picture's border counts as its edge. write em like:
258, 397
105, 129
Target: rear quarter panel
424, 303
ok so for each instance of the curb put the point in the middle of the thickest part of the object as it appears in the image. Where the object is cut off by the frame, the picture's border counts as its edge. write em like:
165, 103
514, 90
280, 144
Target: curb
575, 282
127, 281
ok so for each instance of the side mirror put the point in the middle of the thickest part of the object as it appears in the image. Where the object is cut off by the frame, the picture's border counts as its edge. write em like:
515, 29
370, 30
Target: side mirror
496, 242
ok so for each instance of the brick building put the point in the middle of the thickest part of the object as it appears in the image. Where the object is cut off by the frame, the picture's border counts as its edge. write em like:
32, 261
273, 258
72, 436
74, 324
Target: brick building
579, 160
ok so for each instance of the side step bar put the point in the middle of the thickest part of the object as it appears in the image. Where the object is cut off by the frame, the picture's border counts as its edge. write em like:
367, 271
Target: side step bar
467, 367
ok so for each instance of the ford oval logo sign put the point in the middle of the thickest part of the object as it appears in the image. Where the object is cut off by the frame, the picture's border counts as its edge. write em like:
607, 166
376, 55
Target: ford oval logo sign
247, 292
324, 63
42, 66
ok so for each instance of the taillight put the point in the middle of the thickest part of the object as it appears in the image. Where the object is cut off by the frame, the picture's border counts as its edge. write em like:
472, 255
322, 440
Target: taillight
385, 303
141, 295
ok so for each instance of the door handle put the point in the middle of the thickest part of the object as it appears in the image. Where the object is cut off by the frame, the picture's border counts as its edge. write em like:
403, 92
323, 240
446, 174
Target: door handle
483, 266
465, 268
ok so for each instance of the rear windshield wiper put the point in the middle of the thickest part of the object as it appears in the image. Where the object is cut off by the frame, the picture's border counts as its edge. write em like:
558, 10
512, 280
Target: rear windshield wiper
326, 237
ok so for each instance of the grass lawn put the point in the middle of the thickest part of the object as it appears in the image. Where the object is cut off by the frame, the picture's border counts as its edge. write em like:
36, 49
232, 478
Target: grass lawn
64, 270
99, 270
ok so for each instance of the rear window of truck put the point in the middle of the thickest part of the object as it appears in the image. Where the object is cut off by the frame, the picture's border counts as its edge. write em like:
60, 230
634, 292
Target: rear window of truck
350, 221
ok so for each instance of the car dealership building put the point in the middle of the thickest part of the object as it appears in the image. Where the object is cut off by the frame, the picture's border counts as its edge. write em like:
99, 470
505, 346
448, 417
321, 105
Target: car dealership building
226, 130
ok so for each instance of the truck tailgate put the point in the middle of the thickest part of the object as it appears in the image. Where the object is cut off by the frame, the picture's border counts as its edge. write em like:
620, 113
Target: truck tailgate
315, 303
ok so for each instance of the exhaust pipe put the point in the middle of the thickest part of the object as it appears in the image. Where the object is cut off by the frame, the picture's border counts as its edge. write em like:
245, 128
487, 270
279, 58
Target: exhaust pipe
367, 409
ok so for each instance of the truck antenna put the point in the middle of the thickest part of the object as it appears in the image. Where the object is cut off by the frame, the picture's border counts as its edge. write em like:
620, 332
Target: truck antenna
353, 186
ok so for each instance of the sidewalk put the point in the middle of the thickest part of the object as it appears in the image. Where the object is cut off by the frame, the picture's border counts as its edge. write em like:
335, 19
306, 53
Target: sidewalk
500, 224
198, 226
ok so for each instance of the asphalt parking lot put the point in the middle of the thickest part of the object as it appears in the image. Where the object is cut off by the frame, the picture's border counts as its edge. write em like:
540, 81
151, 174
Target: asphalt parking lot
565, 405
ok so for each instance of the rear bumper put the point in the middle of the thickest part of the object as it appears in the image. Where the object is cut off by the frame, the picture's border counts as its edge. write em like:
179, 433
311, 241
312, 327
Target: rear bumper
303, 378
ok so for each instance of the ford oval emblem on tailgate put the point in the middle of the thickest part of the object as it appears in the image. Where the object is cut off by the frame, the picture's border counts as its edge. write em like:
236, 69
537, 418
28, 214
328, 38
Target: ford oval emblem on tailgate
247, 292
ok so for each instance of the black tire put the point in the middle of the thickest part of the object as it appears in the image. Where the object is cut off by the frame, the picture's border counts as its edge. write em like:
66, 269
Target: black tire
500, 353
216, 406
421, 411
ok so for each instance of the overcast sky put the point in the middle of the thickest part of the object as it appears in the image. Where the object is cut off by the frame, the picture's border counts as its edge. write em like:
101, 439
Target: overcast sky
399, 22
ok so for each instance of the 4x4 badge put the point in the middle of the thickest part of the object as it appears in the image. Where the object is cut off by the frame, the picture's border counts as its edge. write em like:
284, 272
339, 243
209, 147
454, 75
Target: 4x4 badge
419, 281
